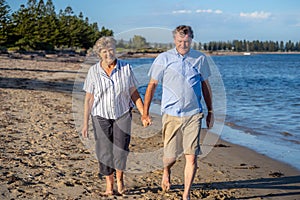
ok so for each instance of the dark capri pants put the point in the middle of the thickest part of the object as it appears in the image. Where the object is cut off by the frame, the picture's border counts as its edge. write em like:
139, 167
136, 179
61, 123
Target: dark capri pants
112, 142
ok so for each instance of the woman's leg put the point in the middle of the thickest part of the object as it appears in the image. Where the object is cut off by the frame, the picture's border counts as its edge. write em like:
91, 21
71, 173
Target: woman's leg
103, 130
109, 184
120, 181
121, 129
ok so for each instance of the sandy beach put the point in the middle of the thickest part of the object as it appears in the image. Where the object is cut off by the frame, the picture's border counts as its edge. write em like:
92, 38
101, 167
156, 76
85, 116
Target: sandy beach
43, 157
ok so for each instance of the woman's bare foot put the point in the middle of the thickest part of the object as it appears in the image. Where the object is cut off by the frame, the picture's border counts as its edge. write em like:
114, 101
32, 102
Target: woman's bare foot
109, 185
121, 188
120, 182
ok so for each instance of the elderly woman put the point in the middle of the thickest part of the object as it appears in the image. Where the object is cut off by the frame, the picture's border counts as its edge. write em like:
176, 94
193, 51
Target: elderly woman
110, 88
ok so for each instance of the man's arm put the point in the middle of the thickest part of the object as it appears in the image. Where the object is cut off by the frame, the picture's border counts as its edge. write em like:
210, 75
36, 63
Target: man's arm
207, 94
147, 101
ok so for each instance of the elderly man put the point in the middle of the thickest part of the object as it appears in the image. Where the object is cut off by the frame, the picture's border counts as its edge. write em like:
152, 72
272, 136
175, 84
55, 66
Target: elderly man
184, 74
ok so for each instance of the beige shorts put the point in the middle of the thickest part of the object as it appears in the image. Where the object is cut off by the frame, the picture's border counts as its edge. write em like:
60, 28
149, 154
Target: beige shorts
181, 135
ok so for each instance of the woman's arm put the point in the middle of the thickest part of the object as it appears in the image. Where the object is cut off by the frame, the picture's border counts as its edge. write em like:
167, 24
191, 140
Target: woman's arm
136, 98
88, 104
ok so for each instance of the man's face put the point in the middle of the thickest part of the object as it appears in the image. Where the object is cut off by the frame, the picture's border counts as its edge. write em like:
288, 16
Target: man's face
182, 43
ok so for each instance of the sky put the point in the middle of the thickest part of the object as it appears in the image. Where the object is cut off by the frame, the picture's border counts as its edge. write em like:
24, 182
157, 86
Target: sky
211, 20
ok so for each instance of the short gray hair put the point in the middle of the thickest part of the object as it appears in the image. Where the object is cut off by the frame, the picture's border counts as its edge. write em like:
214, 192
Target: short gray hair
104, 42
183, 30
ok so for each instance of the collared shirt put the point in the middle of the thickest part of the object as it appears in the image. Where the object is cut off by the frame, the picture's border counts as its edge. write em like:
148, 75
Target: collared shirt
181, 78
112, 96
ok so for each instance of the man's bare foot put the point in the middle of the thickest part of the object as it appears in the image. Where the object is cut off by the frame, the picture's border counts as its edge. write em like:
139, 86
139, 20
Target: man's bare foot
166, 183
185, 197
107, 193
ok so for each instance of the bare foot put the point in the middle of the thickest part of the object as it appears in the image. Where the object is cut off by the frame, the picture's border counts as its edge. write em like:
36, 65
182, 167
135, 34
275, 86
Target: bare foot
107, 193
121, 188
185, 197
166, 183
109, 185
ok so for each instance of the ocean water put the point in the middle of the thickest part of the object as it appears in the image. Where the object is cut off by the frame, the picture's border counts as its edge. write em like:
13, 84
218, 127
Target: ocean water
262, 99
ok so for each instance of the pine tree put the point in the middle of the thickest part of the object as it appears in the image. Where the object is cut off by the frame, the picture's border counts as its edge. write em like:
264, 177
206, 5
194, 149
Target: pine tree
4, 20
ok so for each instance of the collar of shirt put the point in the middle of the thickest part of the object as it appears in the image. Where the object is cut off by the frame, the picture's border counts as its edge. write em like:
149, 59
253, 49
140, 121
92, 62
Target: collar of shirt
102, 72
181, 56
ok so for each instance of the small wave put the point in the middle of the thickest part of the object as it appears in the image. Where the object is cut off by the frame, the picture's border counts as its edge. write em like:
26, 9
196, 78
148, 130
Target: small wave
287, 134
243, 128
293, 141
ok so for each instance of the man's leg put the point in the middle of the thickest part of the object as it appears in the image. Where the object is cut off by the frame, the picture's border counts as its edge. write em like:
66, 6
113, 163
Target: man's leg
166, 179
189, 174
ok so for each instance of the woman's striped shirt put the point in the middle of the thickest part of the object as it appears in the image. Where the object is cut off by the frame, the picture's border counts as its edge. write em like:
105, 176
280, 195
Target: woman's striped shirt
112, 97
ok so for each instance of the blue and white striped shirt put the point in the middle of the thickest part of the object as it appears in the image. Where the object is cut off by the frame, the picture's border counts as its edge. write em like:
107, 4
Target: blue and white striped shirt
181, 78
112, 97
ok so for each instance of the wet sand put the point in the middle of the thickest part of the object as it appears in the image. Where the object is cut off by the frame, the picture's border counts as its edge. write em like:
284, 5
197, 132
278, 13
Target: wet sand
43, 157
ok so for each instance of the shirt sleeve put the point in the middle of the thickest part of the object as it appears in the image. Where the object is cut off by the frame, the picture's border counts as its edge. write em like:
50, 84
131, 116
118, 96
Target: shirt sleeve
157, 68
88, 85
204, 69
132, 79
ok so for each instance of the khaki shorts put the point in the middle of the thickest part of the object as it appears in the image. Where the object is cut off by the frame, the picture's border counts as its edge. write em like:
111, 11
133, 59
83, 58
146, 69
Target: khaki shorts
181, 135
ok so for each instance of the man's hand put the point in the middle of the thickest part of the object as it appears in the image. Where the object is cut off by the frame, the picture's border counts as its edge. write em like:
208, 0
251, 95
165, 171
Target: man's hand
146, 120
210, 119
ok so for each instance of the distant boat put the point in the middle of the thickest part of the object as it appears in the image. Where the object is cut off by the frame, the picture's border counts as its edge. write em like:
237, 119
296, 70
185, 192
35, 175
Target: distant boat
247, 53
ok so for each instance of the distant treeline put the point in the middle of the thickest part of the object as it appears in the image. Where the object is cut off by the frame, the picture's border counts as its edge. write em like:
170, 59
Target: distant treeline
36, 26
140, 43
251, 46
240, 46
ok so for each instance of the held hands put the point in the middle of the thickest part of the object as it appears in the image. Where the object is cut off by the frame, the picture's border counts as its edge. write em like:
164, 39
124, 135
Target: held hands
146, 120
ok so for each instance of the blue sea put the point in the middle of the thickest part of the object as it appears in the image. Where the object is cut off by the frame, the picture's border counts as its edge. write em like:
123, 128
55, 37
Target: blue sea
260, 101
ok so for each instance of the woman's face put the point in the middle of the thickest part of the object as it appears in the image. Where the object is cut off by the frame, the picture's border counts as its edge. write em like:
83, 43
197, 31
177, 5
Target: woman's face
108, 55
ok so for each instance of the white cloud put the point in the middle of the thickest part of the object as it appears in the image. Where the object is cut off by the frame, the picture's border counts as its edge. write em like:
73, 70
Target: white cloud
218, 11
197, 11
204, 11
182, 11
256, 15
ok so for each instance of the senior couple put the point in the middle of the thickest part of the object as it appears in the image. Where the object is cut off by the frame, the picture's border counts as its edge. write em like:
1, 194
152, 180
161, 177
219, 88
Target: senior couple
111, 93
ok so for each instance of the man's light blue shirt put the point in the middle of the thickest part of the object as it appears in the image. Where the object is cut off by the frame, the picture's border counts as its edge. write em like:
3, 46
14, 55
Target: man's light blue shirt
181, 78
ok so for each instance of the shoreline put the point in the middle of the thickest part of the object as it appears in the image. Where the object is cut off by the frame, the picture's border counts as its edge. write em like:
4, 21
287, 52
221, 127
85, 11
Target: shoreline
123, 55
42, 155
131, 55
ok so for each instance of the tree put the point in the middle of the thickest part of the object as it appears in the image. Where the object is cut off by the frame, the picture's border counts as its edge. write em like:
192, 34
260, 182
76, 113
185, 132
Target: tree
139, 42
4, 20
23, 25
121, 44
281, 46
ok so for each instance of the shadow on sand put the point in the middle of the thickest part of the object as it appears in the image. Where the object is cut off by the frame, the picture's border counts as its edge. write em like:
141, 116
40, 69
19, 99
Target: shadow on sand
35, 84
290, 184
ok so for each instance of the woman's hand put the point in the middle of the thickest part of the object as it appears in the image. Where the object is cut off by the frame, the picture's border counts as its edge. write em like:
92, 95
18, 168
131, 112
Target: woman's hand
84, 132
146, 120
